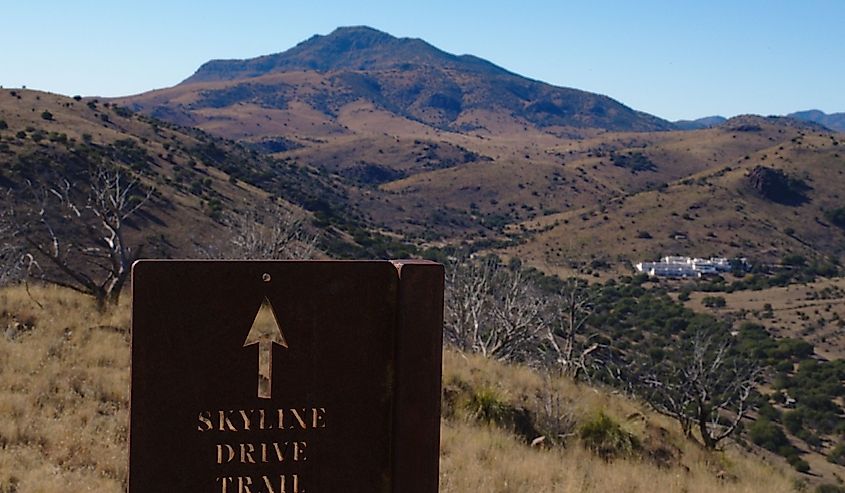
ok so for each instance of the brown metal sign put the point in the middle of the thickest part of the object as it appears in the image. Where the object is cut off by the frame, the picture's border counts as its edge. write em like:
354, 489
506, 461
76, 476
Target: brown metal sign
285, 377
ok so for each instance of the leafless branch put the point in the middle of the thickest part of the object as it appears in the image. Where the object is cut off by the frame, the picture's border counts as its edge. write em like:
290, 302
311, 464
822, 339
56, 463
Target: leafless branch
80, 230
493, 310
705, 387
276, 234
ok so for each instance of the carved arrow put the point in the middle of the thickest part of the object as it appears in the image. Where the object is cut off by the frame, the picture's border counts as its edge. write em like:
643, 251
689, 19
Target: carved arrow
265, 332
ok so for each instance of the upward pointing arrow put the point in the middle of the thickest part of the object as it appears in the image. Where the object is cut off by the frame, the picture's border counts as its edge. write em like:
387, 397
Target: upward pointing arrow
265, 332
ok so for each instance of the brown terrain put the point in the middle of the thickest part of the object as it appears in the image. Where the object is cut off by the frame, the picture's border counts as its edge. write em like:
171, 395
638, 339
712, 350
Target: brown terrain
500, 165
388, 147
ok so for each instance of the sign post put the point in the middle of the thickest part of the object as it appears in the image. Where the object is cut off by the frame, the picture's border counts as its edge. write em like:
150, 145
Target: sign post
285, 376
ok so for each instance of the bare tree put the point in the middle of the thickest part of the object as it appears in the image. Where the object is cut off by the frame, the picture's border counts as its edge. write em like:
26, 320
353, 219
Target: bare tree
81, 233
277, 234
706, 387
568, 345
12, 256
493, 310
468, 286
517, 309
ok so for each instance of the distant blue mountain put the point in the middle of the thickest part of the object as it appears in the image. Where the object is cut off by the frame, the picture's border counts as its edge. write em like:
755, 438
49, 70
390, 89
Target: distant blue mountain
706, 122
833, 121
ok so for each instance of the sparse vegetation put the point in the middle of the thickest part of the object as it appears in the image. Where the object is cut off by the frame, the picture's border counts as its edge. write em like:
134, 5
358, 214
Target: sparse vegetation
572, 209
836, 216
87, 376
714, 302
635, 162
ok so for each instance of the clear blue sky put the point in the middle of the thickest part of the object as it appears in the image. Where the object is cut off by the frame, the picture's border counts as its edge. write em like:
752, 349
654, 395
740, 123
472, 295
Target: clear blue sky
675, 59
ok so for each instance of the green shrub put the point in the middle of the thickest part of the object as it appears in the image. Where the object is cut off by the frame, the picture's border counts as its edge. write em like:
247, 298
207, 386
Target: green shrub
768, 435
767, 411
830, 488
714, 302
798, 463
795, 260
606, 438
122, 111
47, 115
836, 216
488, 406
793, 421
837, 455
3, 125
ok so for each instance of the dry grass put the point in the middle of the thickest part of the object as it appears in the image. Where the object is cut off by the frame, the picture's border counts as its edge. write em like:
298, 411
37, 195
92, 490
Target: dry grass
484, 458
64, 389
64, 383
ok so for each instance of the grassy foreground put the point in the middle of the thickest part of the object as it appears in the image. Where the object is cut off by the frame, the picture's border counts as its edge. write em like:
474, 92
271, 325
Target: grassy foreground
64, 389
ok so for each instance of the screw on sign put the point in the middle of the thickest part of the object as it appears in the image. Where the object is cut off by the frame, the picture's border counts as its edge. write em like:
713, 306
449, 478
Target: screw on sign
285, 376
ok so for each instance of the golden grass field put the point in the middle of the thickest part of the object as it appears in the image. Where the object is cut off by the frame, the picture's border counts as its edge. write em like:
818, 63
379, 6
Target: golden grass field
64, 388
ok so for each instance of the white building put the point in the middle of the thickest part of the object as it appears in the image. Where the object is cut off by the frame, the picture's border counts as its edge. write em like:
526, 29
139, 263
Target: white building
685, 267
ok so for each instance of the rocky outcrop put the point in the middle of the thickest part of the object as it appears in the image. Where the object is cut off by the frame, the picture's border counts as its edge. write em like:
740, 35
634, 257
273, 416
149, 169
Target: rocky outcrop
777, 186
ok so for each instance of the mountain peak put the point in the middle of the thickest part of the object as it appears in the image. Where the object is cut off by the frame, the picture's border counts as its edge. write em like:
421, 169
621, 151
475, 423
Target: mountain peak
350, 38
411, 78
345, 48
360, 31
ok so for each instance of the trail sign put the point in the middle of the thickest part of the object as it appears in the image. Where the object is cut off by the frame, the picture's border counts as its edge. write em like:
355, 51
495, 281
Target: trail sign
285, 377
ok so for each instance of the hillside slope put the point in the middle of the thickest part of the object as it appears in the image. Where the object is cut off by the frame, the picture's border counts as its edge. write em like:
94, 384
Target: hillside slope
197, 180
723, 202
630, 196
66, 356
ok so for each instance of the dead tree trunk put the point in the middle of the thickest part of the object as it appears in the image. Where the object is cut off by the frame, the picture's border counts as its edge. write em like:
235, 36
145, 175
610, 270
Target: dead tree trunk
81, 231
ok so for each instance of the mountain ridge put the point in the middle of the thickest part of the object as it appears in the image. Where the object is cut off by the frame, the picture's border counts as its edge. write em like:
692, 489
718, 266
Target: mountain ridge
341, 49
833, 121
408, 77
699, 123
